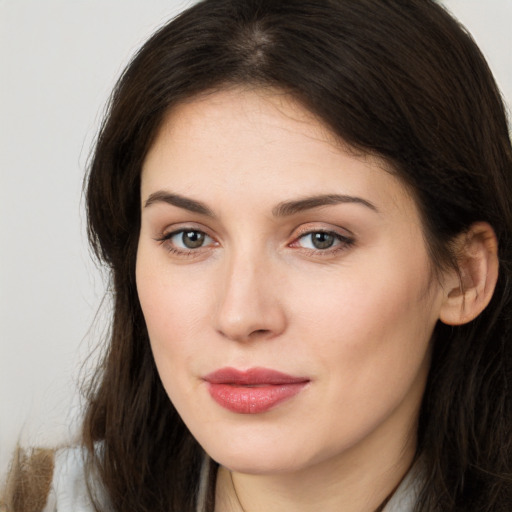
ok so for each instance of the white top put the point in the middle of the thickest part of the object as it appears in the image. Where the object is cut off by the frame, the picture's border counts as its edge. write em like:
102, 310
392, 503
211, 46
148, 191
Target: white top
69, 488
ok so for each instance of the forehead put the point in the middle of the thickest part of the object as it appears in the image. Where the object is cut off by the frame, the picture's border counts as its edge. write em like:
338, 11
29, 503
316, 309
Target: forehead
262, 140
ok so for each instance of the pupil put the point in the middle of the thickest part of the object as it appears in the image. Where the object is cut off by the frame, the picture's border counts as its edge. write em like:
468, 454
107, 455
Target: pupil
322, 240
193, 239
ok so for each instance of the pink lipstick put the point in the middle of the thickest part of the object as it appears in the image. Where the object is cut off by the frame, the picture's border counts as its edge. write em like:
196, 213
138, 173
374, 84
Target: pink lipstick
252, 391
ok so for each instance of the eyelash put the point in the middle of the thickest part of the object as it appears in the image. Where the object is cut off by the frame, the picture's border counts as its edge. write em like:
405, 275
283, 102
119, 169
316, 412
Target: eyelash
341, 242
165, 240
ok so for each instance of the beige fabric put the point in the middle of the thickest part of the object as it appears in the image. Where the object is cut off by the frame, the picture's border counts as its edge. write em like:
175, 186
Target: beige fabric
29, 481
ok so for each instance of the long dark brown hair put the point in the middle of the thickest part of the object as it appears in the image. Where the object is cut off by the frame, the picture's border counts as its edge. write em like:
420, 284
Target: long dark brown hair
397, 78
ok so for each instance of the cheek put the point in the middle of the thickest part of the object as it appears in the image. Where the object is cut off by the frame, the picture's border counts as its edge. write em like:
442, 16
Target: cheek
371, 328
170, 322
170, 300
166, 311
366, 341
364, 305
175, 303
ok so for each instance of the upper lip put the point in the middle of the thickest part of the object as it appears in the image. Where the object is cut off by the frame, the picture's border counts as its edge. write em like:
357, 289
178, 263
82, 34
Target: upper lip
252, 377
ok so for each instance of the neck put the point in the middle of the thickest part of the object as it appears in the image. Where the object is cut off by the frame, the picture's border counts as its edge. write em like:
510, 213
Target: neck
349, 485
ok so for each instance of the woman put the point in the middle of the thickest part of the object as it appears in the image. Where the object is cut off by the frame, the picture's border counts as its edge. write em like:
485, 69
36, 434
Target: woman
306, 210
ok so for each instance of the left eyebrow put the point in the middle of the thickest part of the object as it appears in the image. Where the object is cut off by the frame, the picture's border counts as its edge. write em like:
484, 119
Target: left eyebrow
292, 207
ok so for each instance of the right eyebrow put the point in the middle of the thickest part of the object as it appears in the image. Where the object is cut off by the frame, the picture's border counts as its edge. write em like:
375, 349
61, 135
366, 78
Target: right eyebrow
191, 205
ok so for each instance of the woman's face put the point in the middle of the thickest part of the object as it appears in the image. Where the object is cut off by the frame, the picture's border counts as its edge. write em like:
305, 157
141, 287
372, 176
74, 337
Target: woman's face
285, 285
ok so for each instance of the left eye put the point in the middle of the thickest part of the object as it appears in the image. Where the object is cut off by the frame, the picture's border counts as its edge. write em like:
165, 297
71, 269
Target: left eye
320, 240
189, 239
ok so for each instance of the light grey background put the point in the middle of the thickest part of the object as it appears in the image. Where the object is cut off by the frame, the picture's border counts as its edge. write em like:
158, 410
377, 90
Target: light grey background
58, 62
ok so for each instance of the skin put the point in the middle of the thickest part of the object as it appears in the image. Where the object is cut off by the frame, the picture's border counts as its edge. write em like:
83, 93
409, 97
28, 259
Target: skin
355, 319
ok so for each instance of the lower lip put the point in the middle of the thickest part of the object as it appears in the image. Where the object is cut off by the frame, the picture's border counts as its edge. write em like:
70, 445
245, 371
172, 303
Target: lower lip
253, 400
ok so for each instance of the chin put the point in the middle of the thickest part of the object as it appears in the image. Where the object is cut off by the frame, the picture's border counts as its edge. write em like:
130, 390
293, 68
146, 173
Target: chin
258, 455
260, 464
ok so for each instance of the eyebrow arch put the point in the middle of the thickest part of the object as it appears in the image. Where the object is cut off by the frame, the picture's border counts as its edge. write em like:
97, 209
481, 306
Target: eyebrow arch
181, 202
283, 209
292, 207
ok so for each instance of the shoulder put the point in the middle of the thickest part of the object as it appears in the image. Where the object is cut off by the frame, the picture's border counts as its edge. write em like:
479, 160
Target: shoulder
69, 488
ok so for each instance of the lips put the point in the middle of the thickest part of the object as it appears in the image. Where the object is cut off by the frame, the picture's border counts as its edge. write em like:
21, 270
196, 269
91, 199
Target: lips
253, 391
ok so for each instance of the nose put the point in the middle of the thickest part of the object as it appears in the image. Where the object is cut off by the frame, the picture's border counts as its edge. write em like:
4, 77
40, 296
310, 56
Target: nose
249, 305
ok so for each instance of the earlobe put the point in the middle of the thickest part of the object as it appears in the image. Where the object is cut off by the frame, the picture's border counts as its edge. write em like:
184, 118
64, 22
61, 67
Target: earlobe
470, 290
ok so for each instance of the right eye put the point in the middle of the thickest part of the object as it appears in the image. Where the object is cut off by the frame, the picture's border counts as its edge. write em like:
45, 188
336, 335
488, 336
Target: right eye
190, 239
187, 239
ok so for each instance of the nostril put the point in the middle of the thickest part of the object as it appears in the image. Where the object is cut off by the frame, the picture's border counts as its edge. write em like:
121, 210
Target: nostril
250, 335
259, 334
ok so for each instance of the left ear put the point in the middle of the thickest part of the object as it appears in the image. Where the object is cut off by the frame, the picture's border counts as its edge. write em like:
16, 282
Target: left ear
470, 290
